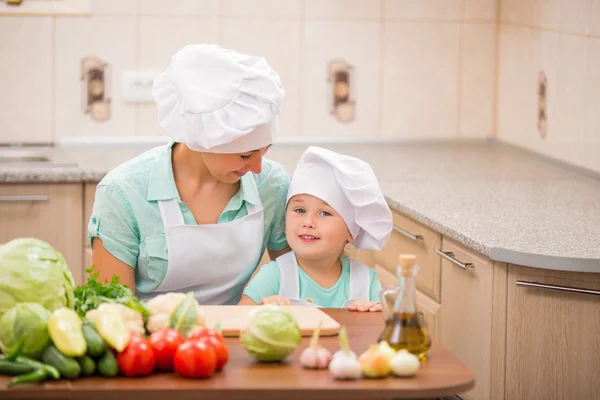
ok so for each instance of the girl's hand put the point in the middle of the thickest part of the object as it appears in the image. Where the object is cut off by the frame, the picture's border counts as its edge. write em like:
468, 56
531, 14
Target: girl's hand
364, 305
276, 300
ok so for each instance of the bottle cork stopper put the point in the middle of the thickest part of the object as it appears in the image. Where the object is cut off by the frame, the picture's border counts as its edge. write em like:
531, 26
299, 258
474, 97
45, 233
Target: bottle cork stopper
407, 260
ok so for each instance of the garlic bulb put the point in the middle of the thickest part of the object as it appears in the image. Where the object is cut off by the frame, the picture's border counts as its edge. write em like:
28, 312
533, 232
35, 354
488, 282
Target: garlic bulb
344, 364
315, 356
404, 363
345, 367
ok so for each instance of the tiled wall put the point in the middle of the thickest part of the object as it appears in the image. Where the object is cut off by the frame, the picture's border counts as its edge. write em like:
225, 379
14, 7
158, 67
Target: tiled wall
423, 68
562, 39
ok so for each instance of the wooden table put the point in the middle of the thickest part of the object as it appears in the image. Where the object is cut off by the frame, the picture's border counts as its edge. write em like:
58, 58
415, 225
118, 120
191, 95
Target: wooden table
243, 378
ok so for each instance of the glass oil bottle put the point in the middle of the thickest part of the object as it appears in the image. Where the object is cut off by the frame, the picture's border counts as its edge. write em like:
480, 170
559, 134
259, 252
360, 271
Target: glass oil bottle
404, 327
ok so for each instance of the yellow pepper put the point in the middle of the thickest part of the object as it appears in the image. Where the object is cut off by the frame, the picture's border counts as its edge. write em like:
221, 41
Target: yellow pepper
111, 325
64, 328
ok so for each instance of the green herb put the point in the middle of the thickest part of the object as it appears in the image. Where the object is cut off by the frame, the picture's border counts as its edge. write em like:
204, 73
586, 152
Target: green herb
93, 293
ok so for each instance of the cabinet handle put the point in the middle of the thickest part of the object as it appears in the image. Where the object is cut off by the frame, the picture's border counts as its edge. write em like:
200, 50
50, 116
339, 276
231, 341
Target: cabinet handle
409, 235
448, 255
24, 198
557, 287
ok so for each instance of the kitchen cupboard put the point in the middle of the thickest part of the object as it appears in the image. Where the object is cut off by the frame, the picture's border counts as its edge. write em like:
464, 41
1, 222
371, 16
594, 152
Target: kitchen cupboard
552, 334
50, 212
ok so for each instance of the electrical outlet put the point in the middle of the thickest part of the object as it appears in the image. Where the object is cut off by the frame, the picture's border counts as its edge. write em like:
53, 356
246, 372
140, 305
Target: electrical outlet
542, 115
137, 86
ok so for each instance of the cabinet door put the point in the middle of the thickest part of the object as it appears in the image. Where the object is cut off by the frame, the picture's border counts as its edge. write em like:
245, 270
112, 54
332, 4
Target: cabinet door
410, 237
553, 336
430, 308
466, 314
50, 212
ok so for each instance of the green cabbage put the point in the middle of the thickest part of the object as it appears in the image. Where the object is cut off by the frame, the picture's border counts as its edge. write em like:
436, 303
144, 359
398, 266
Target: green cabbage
271, 335
32, 271
29, 321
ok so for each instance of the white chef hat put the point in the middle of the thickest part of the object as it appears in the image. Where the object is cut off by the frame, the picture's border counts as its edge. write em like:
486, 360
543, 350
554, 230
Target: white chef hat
218, 100
350, 187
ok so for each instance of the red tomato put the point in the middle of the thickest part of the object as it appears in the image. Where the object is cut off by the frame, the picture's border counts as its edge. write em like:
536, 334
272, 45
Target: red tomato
164, 343
195, 359
220, 349
137, 359
207, 332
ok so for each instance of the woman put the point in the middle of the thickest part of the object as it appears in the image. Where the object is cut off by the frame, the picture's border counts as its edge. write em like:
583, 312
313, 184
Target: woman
198, 213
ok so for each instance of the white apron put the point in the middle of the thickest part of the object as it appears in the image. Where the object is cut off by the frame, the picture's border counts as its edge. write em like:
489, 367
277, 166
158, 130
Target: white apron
215, 261
289, 286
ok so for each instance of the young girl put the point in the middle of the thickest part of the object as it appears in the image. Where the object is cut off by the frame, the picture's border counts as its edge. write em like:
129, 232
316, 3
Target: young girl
333, 199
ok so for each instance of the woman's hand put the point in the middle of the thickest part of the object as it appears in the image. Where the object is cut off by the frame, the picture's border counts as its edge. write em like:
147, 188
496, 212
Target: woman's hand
364, 305
276, 300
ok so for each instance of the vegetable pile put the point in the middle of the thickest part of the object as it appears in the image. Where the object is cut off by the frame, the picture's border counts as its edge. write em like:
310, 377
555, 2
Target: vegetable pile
101, 328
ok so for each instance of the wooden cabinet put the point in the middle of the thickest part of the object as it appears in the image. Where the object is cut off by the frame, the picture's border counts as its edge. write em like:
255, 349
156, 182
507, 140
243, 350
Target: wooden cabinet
50, 212
411, 237
467, 314
553, 336
430, 308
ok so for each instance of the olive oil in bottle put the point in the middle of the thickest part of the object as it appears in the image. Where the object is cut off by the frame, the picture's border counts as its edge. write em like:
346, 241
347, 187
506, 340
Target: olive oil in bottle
404, 328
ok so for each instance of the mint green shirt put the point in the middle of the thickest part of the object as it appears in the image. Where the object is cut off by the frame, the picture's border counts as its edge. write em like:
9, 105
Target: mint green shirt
127, 219
267, 283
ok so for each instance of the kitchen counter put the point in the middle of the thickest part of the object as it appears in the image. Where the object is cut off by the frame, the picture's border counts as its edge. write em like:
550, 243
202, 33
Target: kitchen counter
509, 205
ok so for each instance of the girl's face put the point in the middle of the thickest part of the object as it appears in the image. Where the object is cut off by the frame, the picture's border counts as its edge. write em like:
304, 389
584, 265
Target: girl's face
313, 229
229, 168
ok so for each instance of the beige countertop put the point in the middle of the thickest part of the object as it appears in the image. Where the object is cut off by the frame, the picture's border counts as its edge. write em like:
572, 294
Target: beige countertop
507, 204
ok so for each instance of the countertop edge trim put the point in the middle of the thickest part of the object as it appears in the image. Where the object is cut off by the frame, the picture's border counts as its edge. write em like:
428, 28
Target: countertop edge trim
540, 261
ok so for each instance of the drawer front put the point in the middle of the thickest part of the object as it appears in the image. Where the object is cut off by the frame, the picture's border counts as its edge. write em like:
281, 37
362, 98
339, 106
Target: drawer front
466, 318
430, 308
428, 279
49, 212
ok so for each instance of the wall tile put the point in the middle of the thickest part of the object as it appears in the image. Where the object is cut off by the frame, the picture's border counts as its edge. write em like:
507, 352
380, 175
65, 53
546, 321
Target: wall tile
422, 9
485, 10
342, 9
517, 11
420, 98
564, 15
356, 43
26, 71
112, 39
182, 8
572, 73
594, 22
114, 7
288, 9
279, 43
159, 39
477, 80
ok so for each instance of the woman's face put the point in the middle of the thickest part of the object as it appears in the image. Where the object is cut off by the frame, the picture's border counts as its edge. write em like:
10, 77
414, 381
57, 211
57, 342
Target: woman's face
229, 168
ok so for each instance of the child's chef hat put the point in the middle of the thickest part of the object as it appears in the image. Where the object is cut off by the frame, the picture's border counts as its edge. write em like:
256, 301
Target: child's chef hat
349, 186
218, 100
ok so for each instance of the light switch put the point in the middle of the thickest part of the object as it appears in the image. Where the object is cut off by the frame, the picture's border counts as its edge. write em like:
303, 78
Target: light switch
137, 86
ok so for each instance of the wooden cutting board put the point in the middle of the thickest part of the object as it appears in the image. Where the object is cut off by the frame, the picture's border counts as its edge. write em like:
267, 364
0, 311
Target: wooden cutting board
235, 318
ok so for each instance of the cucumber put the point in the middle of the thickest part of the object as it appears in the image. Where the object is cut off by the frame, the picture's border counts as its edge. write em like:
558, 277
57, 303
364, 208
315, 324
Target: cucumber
15, 368
107, 365
68, 367
88, 366
95, 343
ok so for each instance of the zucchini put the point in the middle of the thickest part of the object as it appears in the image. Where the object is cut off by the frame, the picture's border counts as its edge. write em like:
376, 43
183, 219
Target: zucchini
95, 343
88, 366
107, 365
68, 367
